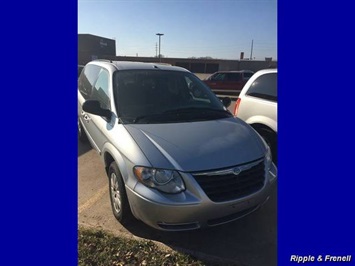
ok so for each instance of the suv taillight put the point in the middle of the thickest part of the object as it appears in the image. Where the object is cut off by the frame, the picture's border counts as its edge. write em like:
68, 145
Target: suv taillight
236, 106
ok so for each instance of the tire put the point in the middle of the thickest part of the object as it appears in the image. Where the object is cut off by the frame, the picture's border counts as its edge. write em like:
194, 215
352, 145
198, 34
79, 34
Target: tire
81, 133
118, 197
270, 138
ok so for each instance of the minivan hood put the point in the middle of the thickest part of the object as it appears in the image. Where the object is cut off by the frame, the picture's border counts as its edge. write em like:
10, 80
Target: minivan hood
198, 146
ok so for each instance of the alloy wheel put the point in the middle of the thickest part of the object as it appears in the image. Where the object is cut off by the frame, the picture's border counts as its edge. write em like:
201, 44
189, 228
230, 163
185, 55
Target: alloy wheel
115, 193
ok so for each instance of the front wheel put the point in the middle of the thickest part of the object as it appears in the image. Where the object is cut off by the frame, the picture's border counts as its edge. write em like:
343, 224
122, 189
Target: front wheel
118, 196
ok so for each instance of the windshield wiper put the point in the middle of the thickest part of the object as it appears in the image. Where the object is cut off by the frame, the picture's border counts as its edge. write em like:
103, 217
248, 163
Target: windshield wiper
198, 109
149, 116
178, 113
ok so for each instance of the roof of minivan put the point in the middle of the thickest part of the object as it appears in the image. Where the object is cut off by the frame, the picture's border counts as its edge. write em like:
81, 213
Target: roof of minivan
126, 65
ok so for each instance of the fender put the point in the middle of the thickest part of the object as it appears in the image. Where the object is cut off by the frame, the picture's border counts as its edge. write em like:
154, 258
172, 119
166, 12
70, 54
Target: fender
123, 163
264, 121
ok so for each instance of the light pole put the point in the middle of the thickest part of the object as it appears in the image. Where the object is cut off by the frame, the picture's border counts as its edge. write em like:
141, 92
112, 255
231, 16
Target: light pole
159, 34
251, 52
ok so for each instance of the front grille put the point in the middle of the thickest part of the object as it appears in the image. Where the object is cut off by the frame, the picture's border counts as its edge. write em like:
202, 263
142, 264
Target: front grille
225, 185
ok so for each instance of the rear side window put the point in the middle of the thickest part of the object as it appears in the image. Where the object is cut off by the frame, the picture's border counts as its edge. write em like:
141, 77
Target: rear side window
87, 80
218, 77
234, 77
101, 90
264, 87
248, 75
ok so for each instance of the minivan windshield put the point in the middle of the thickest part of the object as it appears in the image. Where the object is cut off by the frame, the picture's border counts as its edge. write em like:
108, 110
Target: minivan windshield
157, 96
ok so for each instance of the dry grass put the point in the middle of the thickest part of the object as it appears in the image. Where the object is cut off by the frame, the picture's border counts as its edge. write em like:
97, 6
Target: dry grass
97, 247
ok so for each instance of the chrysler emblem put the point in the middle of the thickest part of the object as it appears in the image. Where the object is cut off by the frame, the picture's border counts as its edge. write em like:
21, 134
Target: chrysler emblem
236, 171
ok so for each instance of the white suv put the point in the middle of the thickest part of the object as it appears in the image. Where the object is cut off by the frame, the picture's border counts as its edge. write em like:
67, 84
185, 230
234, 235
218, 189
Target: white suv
257, 105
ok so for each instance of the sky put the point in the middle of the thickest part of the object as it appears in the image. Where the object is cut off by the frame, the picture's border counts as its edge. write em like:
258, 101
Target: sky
192, 28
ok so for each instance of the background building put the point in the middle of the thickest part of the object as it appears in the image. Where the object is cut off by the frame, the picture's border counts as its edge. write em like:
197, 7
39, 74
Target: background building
91, 47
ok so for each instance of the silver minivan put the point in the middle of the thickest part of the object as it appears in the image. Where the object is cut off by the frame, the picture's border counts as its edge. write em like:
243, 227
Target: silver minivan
175, 157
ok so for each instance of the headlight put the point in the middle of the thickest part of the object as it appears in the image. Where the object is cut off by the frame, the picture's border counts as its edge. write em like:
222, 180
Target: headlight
167, 181
270, 168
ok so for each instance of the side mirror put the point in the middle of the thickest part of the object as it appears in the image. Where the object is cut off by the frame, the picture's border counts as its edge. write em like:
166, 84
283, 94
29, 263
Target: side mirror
226, 101
94, 107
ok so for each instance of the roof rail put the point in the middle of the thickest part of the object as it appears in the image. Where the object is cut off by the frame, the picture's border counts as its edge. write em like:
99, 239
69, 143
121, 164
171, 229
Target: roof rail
104, 60
160, 63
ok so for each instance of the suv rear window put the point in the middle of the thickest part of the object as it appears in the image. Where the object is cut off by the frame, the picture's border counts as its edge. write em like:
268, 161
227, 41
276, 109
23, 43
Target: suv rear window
264, 87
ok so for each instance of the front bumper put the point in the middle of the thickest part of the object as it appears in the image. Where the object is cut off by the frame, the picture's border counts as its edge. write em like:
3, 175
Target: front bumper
192, 209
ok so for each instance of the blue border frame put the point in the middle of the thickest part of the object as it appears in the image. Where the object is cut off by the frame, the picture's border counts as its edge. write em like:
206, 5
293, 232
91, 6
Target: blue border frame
316, 181
39, 174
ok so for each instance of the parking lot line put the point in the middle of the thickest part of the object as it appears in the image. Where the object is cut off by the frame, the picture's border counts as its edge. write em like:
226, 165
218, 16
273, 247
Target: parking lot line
92, 200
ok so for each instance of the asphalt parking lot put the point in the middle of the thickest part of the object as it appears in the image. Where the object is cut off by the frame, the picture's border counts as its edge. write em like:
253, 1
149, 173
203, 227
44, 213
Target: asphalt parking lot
251, 240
